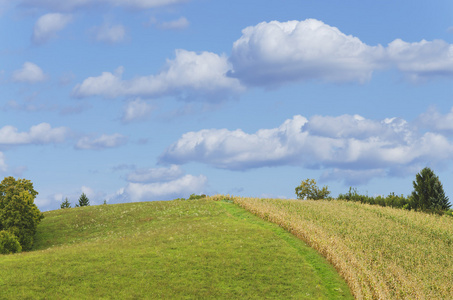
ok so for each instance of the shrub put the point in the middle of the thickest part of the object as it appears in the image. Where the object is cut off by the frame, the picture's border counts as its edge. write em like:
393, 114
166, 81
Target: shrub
391, 200
9, 243
196, 197
309, 190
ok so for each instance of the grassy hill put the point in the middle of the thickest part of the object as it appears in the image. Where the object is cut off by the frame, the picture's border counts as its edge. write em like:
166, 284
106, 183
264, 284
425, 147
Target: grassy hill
197, 249
383, 253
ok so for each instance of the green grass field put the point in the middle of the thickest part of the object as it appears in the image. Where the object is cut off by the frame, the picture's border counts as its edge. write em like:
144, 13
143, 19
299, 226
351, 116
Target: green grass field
199, 249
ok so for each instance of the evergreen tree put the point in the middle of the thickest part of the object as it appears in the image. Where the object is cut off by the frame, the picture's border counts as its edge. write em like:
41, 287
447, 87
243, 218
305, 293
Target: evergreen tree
428, 192
83, 200
65, 204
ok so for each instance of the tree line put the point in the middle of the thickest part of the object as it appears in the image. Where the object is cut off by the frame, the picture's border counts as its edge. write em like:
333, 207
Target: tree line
428, 194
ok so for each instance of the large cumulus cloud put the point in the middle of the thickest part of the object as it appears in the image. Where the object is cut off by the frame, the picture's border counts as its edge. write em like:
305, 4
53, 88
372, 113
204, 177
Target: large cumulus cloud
190, 76
276, 52
340, 145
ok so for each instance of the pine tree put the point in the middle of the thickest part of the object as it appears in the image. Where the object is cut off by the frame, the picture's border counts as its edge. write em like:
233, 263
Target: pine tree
428, 192
83, 200
65, 204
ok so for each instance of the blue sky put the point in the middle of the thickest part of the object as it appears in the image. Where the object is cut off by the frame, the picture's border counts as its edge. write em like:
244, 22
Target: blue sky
158, 99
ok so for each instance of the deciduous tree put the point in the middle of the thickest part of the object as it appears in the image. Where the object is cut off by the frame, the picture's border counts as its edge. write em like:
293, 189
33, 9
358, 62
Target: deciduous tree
309, 190
19, 214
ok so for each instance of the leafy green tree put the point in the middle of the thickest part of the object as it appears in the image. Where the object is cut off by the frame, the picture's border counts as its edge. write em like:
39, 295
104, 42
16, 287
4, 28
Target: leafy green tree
309, 190
19, 214
65, 204
428, 193
83, 200
9, 243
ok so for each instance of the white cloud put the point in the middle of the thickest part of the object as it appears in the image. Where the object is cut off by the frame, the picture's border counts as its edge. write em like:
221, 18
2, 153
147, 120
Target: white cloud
178, 24
48, 25
190, 76
104, 141
110, 33
38, 134
423, 59
69, 5
89, 192
275, 52
342, 143
30, 73
435, 121
155, 174
136, 110
181, 187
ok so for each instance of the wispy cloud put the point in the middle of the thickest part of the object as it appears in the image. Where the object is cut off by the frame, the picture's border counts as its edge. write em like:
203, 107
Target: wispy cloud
136, 110
178, 24
70, 5
108, 33
30, 73
103, 142
155, 174
48, 26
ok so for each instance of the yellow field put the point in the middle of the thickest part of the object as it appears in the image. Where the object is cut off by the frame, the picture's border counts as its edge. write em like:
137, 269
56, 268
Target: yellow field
383, 253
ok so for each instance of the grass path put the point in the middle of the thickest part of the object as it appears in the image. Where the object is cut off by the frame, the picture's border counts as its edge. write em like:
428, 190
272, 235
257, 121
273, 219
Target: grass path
169, 250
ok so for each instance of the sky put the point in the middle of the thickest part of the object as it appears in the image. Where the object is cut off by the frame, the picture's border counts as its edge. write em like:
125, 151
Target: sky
143, 100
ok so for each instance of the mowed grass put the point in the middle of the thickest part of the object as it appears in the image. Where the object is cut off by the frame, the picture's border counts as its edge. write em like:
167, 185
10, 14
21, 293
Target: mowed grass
383, 253
199, 249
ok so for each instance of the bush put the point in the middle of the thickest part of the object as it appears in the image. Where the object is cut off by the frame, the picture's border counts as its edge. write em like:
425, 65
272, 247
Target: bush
9, 243
196, 197
309, 190
391, 200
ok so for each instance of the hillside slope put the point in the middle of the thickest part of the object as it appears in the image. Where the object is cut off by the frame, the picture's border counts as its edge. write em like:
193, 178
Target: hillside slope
174, 249
383, 253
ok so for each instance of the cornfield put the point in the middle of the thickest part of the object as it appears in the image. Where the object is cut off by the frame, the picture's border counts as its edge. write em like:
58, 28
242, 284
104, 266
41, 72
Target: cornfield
382, 252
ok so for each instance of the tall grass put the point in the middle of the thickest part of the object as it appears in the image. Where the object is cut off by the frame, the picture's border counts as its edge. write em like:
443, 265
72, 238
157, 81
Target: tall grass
383, 253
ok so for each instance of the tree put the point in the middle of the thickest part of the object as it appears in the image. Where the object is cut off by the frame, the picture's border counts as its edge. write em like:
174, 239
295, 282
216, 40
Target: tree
65, 204
19, 215
83, 200
428, 192
309, 190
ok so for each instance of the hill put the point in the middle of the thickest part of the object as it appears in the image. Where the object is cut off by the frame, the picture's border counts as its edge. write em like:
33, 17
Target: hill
382, 252
200, 249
